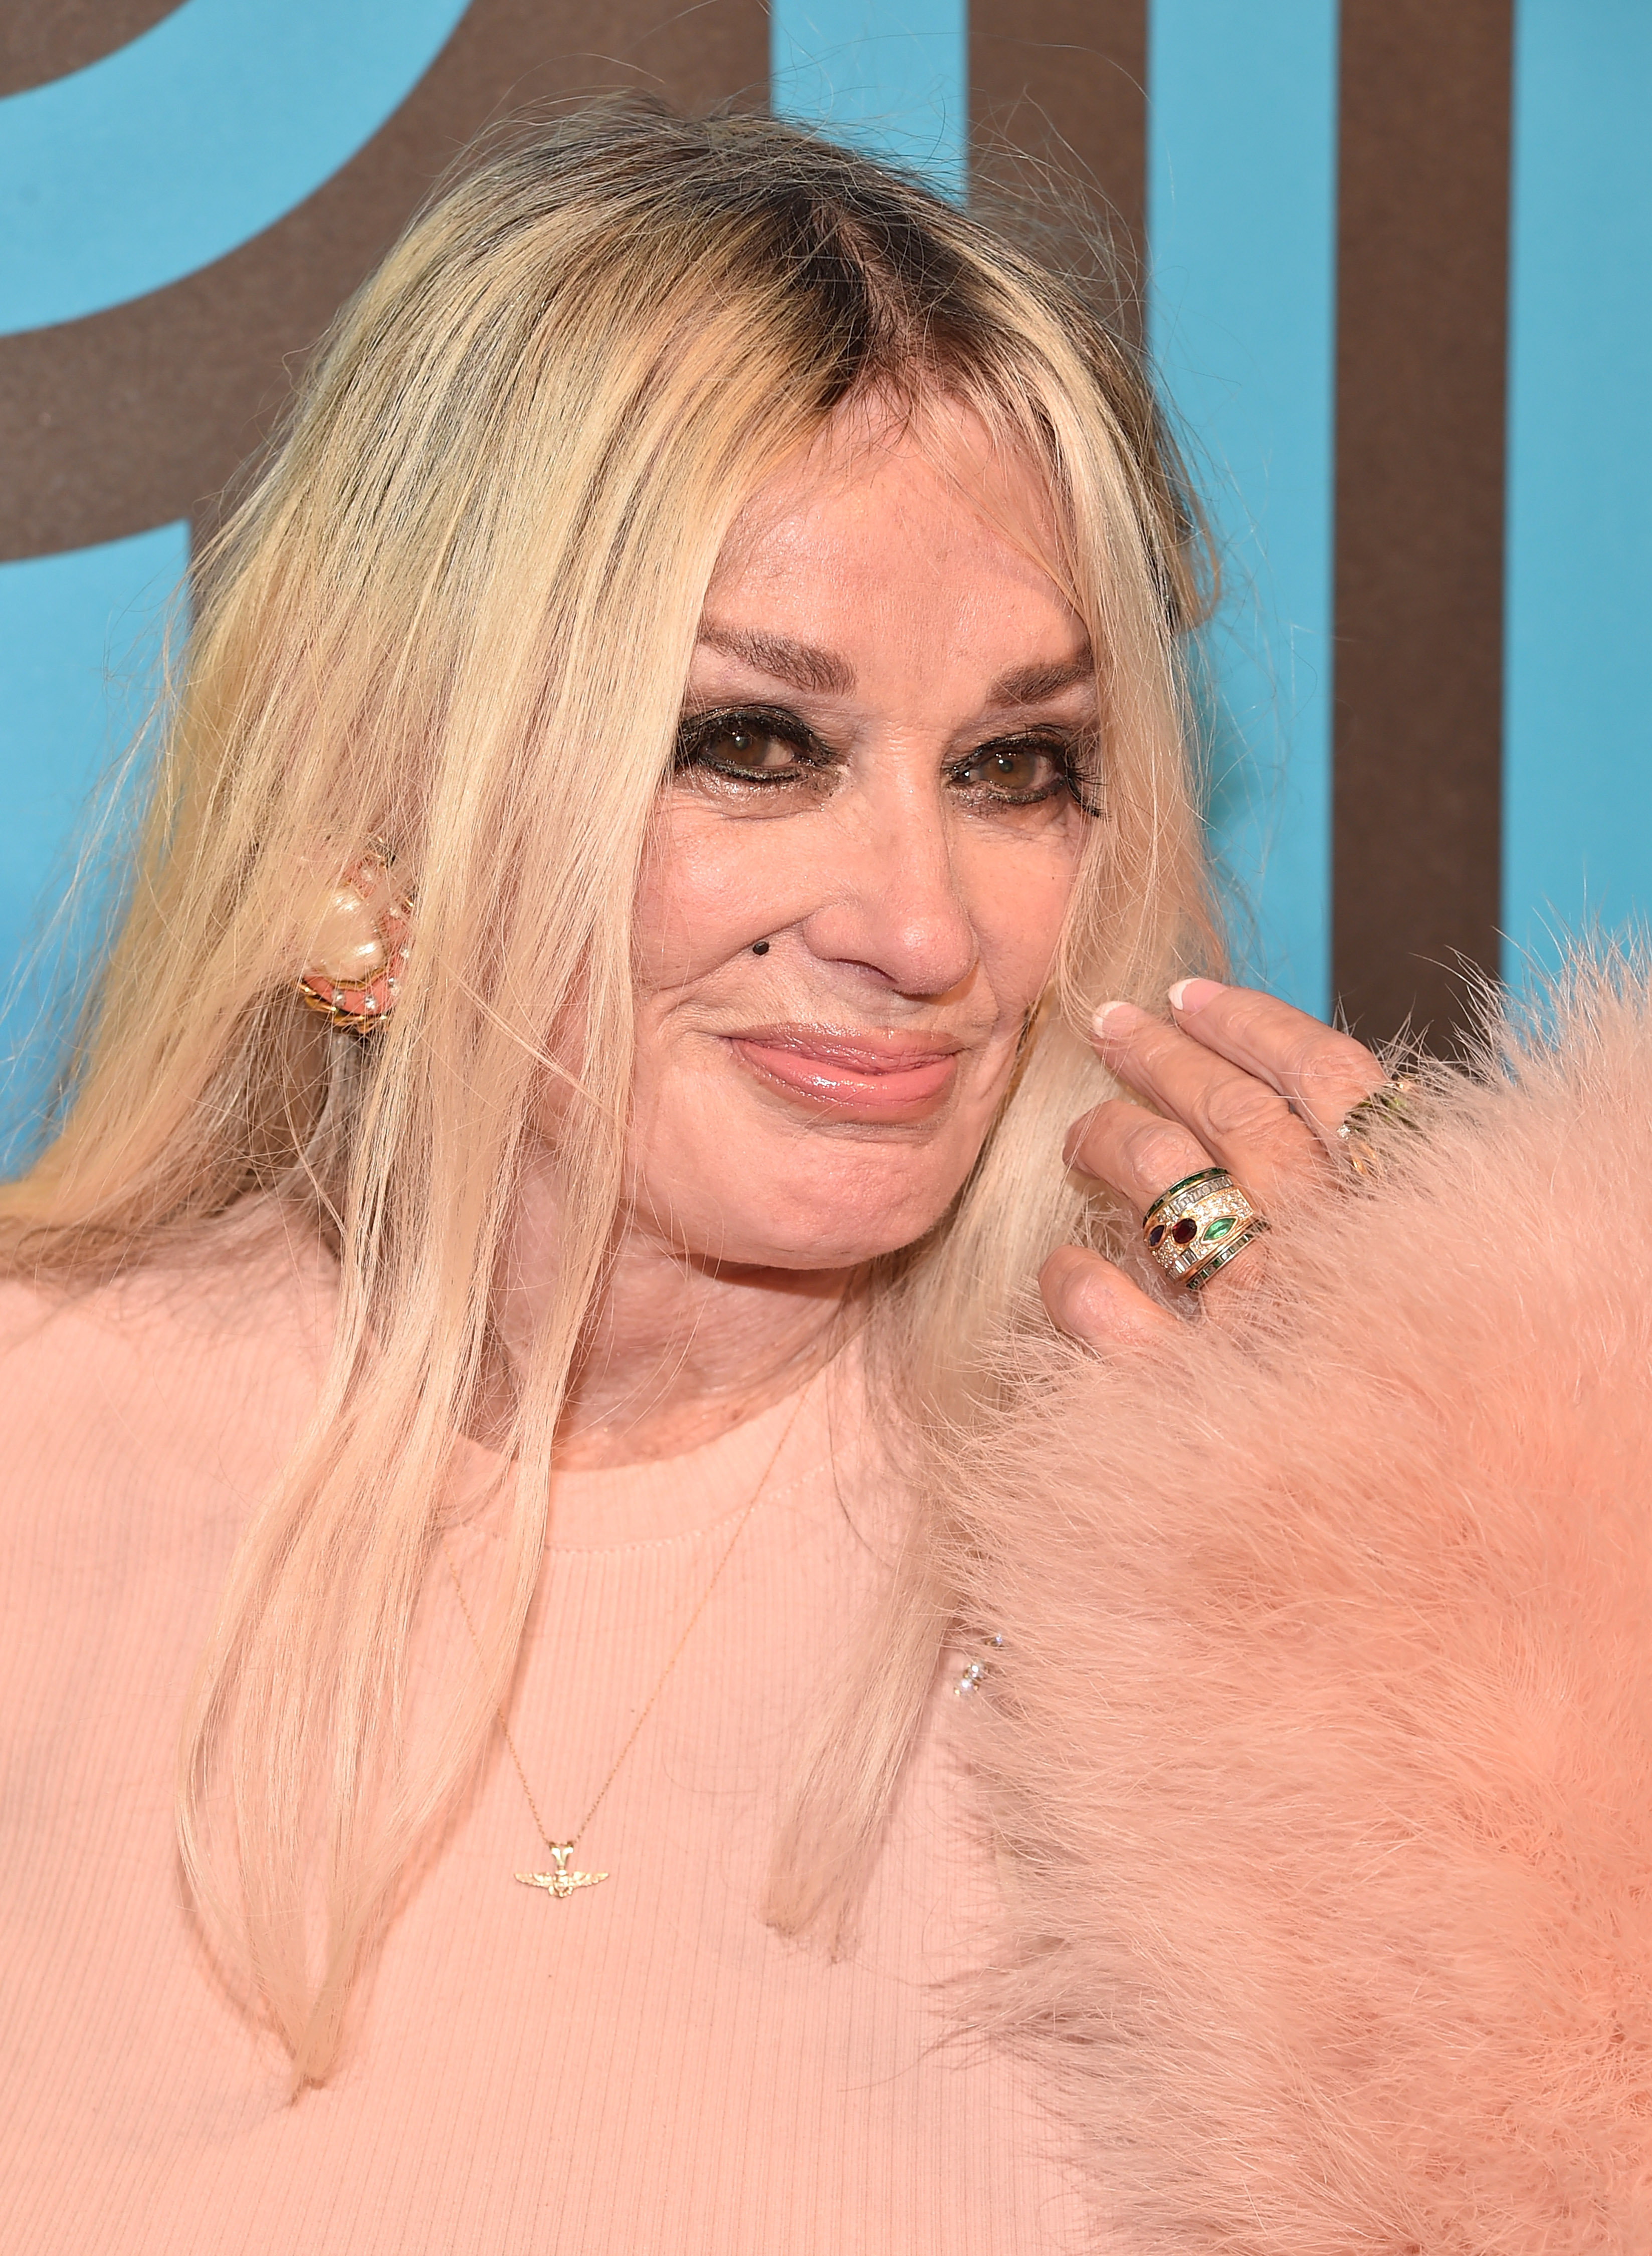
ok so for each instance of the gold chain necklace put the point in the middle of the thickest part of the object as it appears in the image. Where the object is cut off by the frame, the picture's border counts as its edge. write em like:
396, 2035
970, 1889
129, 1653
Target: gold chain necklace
559, 1881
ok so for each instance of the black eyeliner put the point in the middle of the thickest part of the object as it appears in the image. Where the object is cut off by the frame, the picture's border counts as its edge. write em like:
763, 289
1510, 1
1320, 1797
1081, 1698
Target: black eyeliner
698, 730
1059, 749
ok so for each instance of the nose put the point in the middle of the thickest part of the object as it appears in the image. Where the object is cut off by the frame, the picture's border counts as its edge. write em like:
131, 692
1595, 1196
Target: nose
895, 910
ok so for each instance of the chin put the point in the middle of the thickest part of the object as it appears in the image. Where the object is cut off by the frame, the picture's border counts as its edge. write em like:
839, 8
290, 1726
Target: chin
791, 1163
798, 1220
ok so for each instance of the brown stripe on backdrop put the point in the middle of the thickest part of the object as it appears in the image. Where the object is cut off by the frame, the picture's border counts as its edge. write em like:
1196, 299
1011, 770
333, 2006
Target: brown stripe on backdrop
1058, 115
1422, 231
136, 417
42, 40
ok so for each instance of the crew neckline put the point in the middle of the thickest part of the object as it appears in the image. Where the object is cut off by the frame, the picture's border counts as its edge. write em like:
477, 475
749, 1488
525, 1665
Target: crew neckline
662, 1499
675, 1499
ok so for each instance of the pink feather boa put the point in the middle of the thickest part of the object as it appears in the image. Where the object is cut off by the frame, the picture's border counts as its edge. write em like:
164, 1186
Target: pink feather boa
1321, 1747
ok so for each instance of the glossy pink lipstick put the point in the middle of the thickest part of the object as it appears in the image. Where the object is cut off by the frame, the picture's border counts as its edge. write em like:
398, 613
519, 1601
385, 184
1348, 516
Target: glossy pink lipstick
890, 1076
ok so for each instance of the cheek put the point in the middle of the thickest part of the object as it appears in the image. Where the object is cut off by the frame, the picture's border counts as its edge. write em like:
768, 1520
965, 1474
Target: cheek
708, 890
1019, 916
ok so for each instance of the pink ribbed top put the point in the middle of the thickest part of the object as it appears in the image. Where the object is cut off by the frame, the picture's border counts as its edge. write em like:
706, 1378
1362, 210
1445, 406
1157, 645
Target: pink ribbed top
641, 2067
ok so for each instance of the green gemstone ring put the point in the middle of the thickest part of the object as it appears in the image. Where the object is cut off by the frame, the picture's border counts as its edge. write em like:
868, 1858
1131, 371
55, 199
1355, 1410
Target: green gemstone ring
1200, 1225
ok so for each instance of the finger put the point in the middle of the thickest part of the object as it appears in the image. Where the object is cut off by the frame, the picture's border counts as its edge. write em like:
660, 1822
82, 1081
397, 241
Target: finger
1139, 1153
1323, 1073
1141, 1156
1144, 1156
1241, 1120
1094, 1303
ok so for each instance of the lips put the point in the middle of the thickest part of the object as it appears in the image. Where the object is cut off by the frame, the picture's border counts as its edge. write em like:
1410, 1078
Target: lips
868, 1076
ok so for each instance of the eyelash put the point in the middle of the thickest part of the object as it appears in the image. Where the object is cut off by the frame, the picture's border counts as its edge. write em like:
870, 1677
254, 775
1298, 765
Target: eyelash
700, 731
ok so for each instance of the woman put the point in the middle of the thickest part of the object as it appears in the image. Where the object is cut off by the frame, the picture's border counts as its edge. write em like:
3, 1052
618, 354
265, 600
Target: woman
524, 1342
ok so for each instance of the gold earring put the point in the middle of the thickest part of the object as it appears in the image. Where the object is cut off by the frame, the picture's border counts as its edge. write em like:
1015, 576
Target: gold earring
361, 945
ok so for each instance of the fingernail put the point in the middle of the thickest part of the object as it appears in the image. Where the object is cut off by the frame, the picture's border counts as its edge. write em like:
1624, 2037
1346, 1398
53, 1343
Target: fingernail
1189, 995
1073, 1138
1115, 1018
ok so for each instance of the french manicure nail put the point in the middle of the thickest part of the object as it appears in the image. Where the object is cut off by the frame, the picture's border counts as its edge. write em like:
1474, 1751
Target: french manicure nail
1118, 1011
1189, 995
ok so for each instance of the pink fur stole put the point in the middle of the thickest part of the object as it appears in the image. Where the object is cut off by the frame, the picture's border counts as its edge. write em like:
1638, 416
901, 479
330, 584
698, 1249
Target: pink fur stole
1321, 1745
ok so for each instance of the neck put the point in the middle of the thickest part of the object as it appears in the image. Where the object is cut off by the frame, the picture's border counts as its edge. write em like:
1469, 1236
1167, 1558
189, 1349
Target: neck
678, 1352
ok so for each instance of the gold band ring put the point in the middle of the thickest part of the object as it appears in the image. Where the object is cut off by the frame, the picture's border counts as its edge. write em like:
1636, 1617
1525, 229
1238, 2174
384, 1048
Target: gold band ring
1200, 1225
1391, 1104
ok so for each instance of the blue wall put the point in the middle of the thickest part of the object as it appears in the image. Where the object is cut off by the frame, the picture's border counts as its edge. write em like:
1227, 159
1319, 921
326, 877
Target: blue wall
80, 639
1577, 743
893, 77
1241, 320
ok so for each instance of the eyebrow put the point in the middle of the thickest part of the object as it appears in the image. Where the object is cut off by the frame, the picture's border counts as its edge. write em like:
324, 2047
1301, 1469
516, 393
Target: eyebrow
806, 666
1030, 685
800, 663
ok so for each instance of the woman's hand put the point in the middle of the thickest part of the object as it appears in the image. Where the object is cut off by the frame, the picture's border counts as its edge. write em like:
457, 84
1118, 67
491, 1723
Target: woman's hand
1240, 1080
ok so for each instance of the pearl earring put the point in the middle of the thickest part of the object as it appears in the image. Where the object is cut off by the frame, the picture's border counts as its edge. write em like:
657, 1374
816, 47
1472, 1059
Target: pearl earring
360, 944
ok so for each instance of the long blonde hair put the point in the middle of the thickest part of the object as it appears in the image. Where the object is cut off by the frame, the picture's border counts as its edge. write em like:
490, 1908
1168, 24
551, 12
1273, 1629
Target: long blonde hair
456, 607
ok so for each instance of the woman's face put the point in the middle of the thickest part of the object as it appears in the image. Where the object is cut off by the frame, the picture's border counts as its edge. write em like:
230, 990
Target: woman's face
861, 869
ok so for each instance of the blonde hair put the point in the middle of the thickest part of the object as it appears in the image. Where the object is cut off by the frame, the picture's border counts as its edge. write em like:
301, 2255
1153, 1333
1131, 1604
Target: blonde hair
481, 550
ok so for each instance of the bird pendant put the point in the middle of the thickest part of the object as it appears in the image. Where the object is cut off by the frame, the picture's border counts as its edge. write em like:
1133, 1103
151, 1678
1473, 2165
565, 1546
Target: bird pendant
561, 1882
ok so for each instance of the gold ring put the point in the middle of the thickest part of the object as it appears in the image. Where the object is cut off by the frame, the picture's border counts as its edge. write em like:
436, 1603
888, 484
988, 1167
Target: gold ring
1200, 1225
1391, 1104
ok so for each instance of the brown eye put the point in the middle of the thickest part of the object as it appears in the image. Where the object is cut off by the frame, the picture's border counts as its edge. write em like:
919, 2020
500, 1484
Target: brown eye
750, 745
1014, 774
1011, 768
748, 749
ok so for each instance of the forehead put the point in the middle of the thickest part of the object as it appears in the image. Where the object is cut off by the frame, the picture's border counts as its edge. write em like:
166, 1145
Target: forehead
933, 482
897, 511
